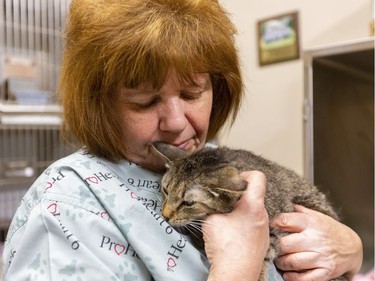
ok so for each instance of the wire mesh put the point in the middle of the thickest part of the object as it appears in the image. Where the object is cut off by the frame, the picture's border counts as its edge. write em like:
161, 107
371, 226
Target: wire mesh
30, 30
30, 49
25, 152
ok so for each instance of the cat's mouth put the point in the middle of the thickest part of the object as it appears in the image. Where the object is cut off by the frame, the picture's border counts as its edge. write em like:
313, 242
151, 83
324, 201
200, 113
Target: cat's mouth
183, 222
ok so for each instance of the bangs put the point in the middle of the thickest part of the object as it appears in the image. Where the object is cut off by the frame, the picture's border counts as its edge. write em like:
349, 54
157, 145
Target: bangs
152, 65
169, 40
156, 70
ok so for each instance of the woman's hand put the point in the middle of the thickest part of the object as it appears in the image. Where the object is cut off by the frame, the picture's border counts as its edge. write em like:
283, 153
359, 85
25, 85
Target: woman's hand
320, 248
236, 243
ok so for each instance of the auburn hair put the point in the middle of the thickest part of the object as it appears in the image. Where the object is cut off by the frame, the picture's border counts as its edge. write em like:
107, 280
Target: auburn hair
130, 42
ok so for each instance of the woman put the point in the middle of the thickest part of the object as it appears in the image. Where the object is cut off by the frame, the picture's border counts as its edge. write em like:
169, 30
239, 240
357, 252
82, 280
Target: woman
134, 72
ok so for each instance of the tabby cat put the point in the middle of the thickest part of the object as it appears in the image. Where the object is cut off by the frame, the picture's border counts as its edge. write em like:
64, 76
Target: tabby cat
208, 181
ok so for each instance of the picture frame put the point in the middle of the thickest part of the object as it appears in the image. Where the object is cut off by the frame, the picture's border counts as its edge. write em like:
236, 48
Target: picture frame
278, 38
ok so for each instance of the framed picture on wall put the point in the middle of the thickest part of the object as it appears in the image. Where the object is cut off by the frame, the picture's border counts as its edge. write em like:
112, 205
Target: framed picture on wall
278, 38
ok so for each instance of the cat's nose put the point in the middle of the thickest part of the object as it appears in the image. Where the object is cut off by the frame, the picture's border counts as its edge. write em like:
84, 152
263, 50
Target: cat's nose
167, 213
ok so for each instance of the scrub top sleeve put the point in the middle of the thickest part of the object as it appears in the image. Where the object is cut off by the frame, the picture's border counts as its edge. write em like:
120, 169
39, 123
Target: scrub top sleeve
62, 241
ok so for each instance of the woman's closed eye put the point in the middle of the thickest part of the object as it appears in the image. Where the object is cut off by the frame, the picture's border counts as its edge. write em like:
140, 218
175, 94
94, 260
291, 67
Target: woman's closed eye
148, 103
190, 95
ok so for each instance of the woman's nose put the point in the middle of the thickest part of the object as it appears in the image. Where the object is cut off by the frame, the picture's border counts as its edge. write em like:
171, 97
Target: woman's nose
172, 117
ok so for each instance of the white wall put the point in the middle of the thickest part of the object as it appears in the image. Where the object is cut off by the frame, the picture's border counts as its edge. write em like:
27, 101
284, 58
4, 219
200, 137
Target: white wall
270, 121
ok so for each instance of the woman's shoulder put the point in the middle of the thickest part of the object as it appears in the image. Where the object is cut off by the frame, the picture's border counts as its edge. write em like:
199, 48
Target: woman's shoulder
82, 171
74, 160
81, 179
66, 177
73, 171
78, 166
64, 182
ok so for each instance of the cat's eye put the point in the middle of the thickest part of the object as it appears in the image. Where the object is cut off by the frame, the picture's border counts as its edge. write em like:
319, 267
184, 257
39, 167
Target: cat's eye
189, 203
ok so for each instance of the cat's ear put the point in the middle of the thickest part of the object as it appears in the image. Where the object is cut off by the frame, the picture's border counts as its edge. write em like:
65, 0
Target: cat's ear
167, 152
230, 178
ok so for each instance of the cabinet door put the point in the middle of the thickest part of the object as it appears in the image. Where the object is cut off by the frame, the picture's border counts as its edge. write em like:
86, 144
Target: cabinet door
341, 138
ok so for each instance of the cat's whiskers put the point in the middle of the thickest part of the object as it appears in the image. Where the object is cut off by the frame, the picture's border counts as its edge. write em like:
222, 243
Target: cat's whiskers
203, 222
205, 230
193, 230
196, 225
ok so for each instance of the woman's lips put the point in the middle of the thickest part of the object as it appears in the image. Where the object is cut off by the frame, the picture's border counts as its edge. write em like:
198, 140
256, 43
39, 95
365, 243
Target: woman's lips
184, 144
190, 145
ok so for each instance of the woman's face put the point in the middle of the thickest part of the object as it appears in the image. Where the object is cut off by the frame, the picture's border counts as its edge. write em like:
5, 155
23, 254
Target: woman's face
176, 114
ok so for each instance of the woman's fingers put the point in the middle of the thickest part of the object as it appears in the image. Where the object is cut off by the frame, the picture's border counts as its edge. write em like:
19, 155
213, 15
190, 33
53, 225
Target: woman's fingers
320, 274
318, 245
256, 187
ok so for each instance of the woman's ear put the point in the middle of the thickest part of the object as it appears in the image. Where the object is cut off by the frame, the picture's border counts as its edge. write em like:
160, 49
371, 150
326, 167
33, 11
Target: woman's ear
167, 152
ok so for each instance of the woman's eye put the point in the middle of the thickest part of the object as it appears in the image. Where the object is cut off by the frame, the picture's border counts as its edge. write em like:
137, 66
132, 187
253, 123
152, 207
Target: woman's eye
191, 95
144, 105
189, 203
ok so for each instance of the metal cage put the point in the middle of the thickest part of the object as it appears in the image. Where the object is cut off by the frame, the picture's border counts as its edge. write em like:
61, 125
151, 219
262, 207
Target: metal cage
30, 51
30, 140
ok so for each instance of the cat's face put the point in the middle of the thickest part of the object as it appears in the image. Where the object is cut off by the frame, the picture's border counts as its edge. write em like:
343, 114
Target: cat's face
197, 185
194, 198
